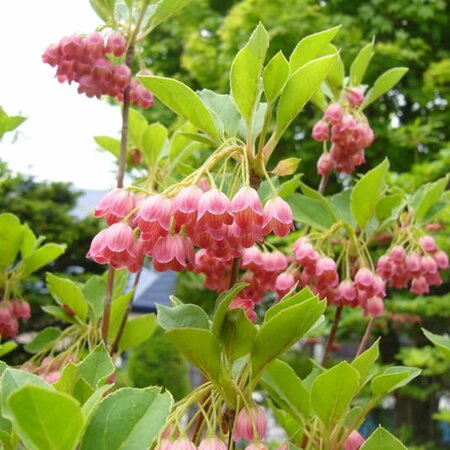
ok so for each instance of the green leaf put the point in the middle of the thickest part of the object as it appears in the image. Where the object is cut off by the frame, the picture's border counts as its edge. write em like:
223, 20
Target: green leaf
44, 339
316, 195
311, 47
280, 332
46, 420
182, 316
66, 292
153, 140
389, 207
333, 391
112, 145
41, 257
245, 73
383, 84
381, 439
7, 347
336, 76
299, 297
14, 379
427, 196
137, 125
441, 342
367, 192
364, 362
103, 8
286, 167
309, 211
11, 233
9, 123
393, 378
360, 64
58, 313
287, 389
137, 331
200, 347
128, 419
97, 366
237, 334
341, 206
275, 76
119, 308
299, 89
165, 9
183, 101
222, 304
95, 290
29, 242
225, 109
289, 187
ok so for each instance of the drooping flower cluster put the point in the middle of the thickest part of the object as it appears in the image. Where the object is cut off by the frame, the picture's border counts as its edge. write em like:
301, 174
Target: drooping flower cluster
417, 270
348, 134
320, 274
10, 313
168, 229
84, 60
50, 369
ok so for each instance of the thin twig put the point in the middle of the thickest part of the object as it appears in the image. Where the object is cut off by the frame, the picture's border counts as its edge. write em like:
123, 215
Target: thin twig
367, 333
323, 183
235, 271
332, 336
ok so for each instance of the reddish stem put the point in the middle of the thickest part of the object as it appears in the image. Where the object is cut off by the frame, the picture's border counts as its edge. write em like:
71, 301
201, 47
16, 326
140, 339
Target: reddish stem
332, 336
366, 336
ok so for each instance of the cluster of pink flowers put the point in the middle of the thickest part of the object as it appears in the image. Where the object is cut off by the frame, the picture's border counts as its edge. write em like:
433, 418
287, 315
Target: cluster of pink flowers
320, 274
10, 313
84, 60
250, 424
168, 229
349, 137
49, 370
421, 268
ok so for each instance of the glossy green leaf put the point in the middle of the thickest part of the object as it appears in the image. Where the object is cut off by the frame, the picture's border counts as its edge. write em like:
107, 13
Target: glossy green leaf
389, 207
95, 290
381, 439
9, 123
224, 108
200, 347
182, 316
364, 362
119, 309
245, 73
7, 347
284, 329
103, 8
29, 242
288, 187
287, 389
333, 391
360, 64
316, 195
58, 313
310, 211
41, 257
427, 196
137, 331
275, 75
184, 101
112, 145
341, 206
311, 47
44, 339
299, 89
336, 76
393, 378
237, 334
222, 304
11, 233
137, 124
128, 419
367, 192
441, 342
165, 9
297, 298
97, 366
14, 379
383, 84
66, 292
46, 420
153, 140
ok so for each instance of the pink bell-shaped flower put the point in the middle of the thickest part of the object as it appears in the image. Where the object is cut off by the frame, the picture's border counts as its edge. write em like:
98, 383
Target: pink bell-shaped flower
355, 97
354, 441
186, 205
334, 113
212, 443
247, 208
284, 283
172, 252
428, 244
248, 422
116, 44
320, 131
214, 210
154, 216
115, 205
277, 217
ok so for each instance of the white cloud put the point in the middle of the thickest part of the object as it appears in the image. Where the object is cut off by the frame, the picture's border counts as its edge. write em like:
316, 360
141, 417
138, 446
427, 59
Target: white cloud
56, 142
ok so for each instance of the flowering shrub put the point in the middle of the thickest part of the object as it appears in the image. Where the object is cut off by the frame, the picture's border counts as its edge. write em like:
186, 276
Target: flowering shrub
255, 239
